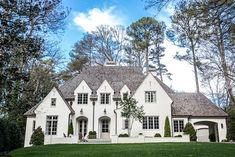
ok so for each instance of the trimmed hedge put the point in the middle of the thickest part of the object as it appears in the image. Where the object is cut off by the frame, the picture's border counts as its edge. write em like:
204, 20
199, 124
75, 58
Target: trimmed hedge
157, 135
189, 129
123, 135
37, 137
92, 135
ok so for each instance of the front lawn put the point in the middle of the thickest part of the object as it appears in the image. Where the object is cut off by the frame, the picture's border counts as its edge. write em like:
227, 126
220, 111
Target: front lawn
130, 150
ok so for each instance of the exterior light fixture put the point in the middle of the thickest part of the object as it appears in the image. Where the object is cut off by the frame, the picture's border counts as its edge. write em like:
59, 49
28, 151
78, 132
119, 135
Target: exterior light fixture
105, 111
81, 111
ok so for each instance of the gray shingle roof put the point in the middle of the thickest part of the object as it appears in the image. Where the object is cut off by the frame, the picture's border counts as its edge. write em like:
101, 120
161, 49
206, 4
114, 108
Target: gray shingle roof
194, 104
184, 104
116, 76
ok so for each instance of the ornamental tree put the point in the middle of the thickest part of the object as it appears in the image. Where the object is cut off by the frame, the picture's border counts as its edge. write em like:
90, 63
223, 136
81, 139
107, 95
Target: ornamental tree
132, 112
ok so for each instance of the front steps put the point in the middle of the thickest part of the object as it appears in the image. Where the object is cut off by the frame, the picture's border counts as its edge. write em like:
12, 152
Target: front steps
96, 141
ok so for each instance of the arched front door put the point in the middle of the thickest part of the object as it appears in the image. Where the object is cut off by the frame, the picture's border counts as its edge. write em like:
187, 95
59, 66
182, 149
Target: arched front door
82, 126
104, 124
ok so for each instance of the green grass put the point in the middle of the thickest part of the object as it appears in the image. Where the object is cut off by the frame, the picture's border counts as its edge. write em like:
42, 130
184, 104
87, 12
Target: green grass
130, 150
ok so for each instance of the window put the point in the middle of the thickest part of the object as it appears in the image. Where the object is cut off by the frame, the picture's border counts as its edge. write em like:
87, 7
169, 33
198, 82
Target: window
222, 125
151, 122
126, 124
105, 126
178, 125
53, 101
82, 98
150, 96
125, 96
105, 98
34, 125
51, 125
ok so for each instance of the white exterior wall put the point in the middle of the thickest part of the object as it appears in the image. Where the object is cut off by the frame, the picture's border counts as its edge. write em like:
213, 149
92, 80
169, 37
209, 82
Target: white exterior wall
45, 109
28, 130
161, 108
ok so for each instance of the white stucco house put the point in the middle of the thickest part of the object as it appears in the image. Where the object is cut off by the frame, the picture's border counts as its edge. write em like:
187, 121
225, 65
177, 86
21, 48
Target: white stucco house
91, 101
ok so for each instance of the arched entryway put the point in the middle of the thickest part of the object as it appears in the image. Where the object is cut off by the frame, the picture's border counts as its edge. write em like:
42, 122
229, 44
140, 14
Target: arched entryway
104, 127
82, 126
207, 131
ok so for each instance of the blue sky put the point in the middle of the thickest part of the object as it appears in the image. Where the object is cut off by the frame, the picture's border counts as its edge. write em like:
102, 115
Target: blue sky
85, 15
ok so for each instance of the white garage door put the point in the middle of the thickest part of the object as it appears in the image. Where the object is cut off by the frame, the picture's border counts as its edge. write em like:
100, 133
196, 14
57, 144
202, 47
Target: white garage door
203, 135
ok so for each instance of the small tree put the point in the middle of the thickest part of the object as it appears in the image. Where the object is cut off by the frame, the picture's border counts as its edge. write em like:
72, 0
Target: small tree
37, 137
189, 129
132, 112
167, 129
70, 128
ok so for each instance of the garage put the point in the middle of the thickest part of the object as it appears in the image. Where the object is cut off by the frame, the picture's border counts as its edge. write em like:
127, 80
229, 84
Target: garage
203, 135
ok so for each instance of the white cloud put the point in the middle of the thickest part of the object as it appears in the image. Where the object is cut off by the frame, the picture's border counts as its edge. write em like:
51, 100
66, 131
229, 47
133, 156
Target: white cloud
182, 72
90, 20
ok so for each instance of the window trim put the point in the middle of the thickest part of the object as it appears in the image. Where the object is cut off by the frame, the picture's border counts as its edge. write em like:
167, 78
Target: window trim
179, 129
150, 97
105, 98
46, 133
155, 124
82, 98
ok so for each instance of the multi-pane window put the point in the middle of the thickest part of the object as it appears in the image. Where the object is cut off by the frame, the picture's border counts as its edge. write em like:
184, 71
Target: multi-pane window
53, 101
105, 126
34, 125
125, 96
178, 125
82, 98
151, 122
150, 96
126, 124
104, 98
51, 125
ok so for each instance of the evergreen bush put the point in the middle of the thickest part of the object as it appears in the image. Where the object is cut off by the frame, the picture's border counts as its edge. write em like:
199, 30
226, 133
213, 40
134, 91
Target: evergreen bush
70, 128
123, 135
167, 129
37, 137
231, 124
189, 129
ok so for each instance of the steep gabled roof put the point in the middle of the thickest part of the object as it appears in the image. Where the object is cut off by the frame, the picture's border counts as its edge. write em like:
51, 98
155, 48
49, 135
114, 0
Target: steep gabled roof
31, 112
116, 76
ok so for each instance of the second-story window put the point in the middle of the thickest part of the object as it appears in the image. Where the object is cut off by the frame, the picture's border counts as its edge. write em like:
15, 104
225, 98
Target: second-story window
150, 96
125, 96
104, 98
82, 98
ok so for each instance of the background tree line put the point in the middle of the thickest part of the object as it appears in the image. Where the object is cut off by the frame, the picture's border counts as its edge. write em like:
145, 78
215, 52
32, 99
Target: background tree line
28, 59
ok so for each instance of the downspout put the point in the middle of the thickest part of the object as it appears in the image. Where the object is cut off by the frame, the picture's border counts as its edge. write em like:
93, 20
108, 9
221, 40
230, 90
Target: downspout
93, 118
116, 117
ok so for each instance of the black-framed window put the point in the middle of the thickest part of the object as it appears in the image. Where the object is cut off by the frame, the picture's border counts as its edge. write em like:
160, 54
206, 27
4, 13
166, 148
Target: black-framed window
82, 98
53, 101
51, 125
126, 124
178, 125
151, 122
150, 96
125, 96
104, 98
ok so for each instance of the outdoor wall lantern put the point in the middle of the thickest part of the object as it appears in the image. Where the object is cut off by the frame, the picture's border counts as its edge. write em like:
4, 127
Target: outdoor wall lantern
105, 111
81, 111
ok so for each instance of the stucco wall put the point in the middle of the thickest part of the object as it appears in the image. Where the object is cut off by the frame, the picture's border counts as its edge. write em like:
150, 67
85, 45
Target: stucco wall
28, 130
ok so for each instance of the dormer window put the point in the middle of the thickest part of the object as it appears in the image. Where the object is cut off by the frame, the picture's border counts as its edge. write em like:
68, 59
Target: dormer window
104, 98
82, 98
125, 96
150, 96
53, 102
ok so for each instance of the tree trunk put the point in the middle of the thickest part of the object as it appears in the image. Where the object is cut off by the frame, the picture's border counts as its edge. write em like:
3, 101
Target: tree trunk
147, 60
224, 63
195, 66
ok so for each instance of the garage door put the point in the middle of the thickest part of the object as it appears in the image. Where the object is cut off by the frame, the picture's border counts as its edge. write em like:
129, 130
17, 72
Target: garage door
203, 135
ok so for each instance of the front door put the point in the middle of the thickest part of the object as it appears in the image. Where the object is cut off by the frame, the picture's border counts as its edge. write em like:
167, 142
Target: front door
82, 128
105, 129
